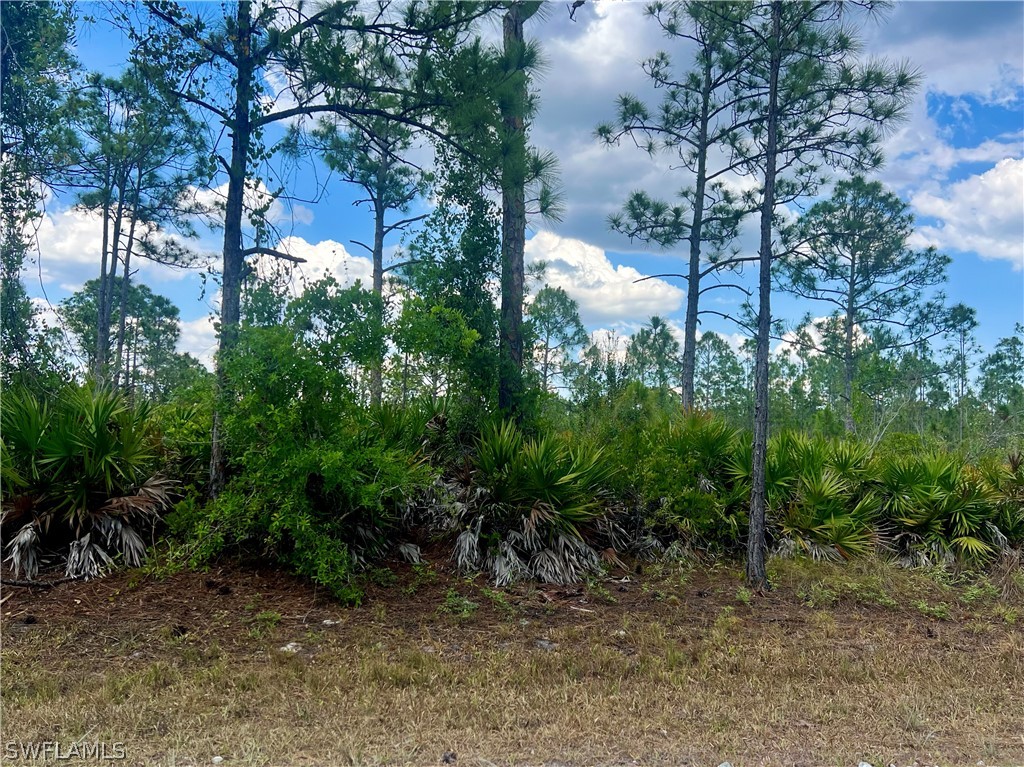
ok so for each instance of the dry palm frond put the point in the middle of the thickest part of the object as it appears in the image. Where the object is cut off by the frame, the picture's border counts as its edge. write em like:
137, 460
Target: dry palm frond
86, 559
410, 552
506, 566
467, 548
121, 537
23, 552
153, 497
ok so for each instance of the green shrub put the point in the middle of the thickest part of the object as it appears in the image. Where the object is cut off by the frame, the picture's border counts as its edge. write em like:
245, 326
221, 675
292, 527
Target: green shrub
536, 503
315, 483
686, 480
79, 473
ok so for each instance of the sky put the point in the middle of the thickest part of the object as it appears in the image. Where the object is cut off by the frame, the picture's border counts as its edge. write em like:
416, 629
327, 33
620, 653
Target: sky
957, 160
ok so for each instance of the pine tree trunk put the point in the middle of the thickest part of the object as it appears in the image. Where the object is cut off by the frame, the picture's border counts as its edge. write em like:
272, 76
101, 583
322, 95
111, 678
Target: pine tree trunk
513, 226
848, 351
234, 259
376, 370
126, 284
102, 339
757, 573
696, 229
106, 308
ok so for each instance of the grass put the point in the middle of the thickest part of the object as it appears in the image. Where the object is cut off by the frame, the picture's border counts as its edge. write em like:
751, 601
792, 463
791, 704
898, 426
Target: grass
710, 677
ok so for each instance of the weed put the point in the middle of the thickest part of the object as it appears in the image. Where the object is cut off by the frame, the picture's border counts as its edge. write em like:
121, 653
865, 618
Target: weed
263, 623
423, 574
982, 591
818, 595
599, 591
457, 605
940, 610
744, 595
382, 576
1008, 615
500, 601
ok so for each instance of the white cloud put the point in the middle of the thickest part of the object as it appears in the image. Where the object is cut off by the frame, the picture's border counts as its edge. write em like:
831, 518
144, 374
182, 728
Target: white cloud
324, 257
257, 195
981, 214
605, 293
199, 338
70, 243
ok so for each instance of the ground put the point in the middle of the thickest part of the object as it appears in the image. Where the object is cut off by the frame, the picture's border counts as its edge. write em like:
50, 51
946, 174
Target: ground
660, 665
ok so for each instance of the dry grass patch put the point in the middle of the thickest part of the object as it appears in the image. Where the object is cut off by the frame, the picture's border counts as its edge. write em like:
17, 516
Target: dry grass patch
525, 679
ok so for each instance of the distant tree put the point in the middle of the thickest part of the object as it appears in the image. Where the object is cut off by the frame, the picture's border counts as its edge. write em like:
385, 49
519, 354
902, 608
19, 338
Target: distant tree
369, 154
151, 364
719, 383
556, 329
695, 121
599, 374
961, 323
808, 106
652, 355
850, 252
1002, 380
142, 158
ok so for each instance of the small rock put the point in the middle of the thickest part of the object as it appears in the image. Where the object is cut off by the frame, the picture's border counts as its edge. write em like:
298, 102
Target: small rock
545, 644
217, 759
291, 647
329, 622
725, 764
619, 633
448, 757
865, 764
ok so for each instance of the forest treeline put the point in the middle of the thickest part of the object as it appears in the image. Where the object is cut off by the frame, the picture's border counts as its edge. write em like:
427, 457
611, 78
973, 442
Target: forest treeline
458, 396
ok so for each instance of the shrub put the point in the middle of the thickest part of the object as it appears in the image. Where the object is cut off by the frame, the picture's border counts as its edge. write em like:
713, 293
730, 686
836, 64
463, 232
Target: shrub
939, 510
537, 503
686, 480
79, 474
315, 483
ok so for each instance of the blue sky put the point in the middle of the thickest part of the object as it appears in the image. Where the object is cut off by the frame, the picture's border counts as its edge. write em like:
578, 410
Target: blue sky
958, 160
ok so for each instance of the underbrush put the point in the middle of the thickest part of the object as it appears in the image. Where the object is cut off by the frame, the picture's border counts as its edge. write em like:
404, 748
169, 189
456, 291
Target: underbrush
79, 480
328, 487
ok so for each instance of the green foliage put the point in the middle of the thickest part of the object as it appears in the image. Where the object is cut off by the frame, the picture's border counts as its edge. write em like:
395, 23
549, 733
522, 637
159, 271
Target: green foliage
538, 501
315, 483
457, 605
939, 509
686, 477
80, 466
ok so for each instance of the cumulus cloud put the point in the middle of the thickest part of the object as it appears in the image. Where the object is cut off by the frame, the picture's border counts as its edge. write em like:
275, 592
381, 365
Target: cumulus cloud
980, 214
966, 52
257, 196
69, 245
973, 49
326, 257
199, 338
606, 293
